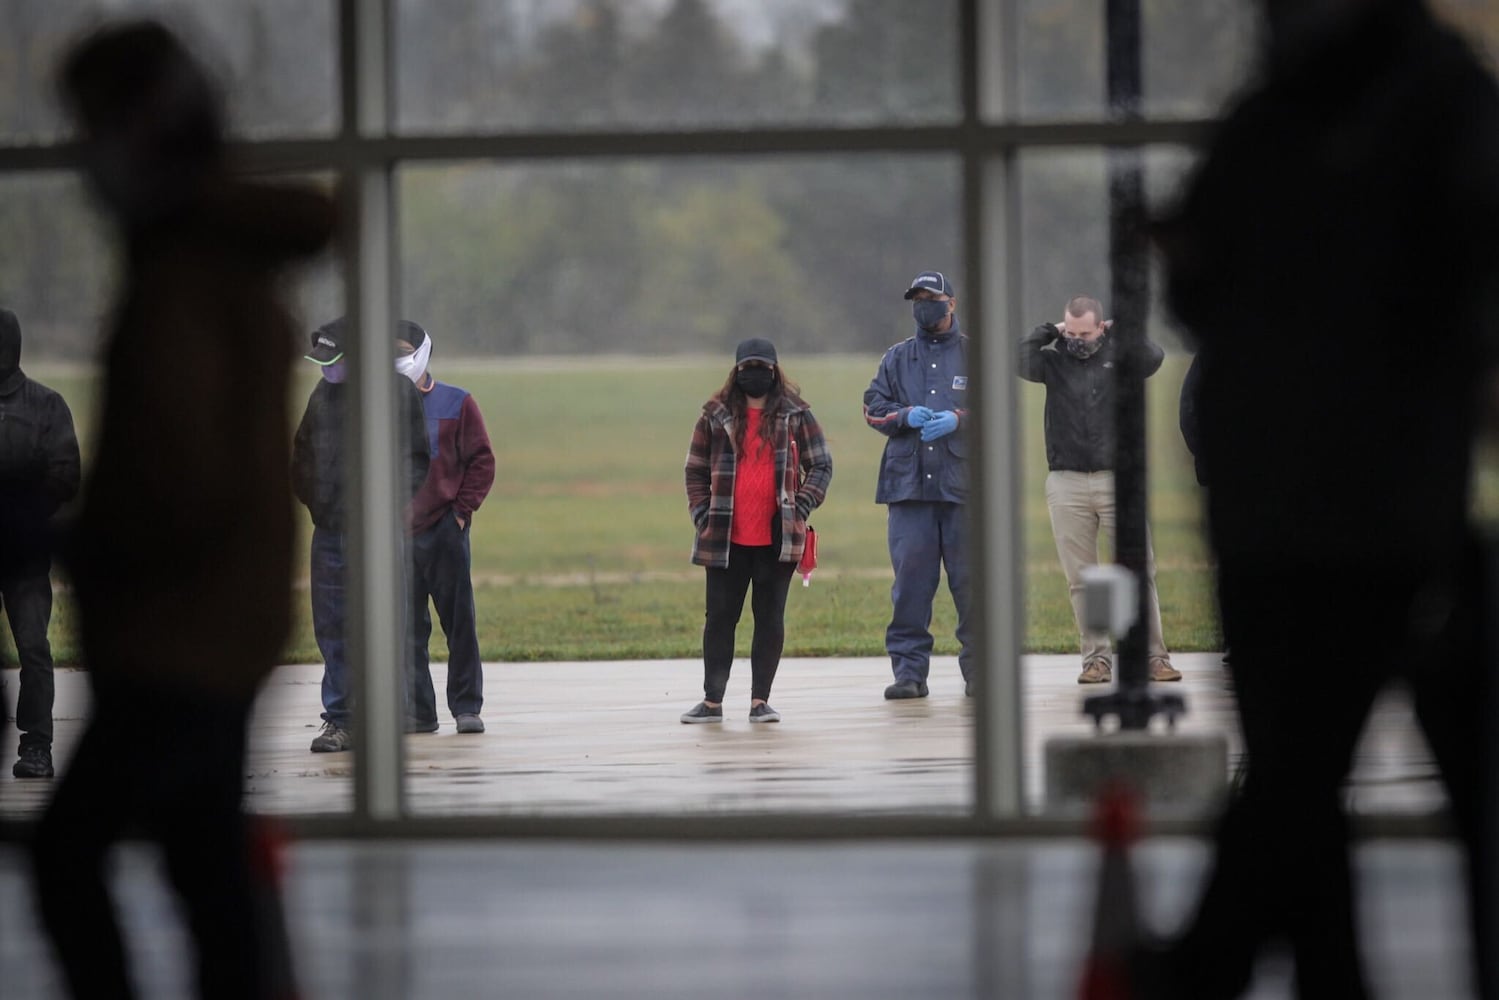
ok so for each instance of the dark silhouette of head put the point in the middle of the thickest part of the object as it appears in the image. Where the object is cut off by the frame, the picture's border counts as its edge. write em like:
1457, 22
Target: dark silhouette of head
149, 116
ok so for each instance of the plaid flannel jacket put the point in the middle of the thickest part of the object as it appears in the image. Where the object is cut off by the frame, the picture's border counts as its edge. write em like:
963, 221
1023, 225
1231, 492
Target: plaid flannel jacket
710, 480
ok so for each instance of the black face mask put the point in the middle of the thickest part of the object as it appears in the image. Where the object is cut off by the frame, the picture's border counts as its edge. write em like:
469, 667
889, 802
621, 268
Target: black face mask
1080, 348
755, 382
929, 313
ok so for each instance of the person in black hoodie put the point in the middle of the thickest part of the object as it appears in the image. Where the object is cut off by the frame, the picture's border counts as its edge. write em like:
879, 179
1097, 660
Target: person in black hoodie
39, 472
180, 553
319, 479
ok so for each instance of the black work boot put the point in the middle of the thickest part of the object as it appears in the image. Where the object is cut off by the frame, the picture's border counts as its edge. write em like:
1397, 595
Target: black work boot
35, 761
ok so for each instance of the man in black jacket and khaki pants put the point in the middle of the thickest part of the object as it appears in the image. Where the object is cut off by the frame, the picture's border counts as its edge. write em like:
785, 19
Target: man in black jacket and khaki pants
1075, 361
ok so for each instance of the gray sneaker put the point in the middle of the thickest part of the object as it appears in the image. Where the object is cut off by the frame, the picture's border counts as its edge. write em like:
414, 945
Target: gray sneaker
333, 739
702, 713
905, 689
469, 723
764, 713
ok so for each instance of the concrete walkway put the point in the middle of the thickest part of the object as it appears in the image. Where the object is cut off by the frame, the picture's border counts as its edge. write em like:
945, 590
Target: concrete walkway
603, 738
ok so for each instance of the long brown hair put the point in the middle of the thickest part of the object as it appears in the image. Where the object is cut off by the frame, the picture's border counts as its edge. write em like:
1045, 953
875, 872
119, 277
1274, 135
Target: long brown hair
783, 397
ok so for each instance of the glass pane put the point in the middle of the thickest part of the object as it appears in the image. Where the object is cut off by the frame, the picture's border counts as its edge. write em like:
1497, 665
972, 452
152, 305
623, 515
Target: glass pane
1195, 52
590, 309
498, 65
1066, 232
277, 60
63, 270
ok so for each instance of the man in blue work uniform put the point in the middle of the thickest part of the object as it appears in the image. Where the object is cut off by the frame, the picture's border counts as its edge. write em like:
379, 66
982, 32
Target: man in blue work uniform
919, 401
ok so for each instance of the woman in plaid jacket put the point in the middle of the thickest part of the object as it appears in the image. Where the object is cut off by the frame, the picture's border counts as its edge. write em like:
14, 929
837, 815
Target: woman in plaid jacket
756, 469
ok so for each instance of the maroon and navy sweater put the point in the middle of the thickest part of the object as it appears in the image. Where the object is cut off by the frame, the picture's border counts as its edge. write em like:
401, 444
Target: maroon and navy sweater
462, 467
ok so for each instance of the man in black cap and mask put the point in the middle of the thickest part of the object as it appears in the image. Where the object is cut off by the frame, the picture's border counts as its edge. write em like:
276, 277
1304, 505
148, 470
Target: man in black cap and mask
38, 474
320, 475
919, 400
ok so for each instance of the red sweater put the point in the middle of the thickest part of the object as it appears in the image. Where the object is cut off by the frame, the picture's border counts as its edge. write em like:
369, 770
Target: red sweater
754, 486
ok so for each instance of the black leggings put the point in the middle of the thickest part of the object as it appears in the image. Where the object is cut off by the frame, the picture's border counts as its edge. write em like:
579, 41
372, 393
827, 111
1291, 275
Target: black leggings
748, 564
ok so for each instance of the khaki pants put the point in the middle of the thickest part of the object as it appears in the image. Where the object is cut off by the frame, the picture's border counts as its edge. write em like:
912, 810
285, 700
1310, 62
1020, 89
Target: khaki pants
1081, 503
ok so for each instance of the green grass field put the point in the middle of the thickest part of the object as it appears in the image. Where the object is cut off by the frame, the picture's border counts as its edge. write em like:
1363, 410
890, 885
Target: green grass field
581, 551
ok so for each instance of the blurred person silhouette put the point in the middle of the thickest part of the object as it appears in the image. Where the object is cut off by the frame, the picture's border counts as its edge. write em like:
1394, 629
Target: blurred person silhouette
757, 467
1187, 420
39, 471
319, 478
439, 519
181, 551
1334, 257
1075, 360
918, 399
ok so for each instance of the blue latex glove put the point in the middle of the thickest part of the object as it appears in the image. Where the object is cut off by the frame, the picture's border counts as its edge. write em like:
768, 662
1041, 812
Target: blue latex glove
917, 416
941, 425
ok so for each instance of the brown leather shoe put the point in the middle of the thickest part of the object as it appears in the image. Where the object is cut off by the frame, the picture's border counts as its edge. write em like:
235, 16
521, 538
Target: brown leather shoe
1162, 670
1096, 672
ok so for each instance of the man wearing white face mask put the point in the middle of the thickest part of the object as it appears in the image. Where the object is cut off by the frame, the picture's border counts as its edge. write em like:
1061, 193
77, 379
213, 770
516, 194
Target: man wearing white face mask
459, 476
1075, 360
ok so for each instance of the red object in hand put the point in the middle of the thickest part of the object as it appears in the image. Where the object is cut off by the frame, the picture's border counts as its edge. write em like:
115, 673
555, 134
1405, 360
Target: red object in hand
809, 557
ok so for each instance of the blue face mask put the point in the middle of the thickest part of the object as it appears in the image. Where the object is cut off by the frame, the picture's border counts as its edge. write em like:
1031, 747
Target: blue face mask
929, 313
336, 372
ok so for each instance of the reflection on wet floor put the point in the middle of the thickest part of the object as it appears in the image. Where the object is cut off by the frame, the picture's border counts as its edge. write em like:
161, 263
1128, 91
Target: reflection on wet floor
603, 738
872, 920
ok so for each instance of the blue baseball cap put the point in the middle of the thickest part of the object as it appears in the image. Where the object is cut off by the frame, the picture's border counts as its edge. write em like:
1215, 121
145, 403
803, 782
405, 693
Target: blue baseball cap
931, 281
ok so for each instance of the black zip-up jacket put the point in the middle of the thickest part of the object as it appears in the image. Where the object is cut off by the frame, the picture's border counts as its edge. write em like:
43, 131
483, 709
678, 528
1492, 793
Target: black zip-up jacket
1079, 396
39, 471
318, 468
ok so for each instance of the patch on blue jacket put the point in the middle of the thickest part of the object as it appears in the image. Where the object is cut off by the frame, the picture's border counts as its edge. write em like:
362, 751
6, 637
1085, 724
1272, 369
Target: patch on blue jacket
444, 402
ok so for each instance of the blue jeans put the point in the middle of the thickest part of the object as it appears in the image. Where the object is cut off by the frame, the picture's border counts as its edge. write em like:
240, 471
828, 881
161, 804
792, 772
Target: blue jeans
924, 537
329, 613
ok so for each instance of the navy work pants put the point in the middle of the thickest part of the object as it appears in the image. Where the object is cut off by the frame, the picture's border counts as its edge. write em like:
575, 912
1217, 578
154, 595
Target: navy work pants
924, 538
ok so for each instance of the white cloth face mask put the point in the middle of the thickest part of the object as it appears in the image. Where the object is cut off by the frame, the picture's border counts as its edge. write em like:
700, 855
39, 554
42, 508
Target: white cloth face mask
414, 365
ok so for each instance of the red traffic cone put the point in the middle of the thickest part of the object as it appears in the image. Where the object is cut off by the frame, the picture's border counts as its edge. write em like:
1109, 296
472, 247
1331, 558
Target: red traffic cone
1116, 916
267, 868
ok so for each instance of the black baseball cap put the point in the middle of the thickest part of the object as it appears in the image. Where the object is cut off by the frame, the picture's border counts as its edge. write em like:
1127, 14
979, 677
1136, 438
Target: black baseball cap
931, 281
327, 343
755, 349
